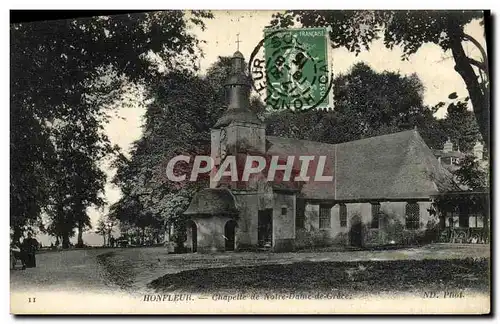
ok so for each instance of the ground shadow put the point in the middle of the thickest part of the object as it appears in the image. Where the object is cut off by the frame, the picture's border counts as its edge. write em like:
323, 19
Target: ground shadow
366, 277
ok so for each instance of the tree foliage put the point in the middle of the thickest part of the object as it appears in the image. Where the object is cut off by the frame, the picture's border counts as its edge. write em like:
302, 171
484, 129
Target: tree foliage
460, 125
471, 174
367, 104
65, 76
177, 122
356, 30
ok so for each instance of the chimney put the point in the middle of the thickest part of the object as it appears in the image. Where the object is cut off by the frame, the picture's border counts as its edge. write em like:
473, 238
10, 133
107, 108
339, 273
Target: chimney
448, 146
478, 151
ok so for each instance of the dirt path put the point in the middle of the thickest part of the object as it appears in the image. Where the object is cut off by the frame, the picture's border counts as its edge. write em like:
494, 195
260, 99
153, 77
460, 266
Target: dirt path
132, 269
71, 270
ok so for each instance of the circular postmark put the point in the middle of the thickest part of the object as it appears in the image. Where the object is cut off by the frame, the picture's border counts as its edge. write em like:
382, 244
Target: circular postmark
289, 68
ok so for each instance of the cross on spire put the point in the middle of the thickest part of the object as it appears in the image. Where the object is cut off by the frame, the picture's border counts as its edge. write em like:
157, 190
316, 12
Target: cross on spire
238, 42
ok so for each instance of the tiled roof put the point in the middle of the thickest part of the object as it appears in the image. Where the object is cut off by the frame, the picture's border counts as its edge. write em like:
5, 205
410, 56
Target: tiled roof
237, 115
393, 166
212, 201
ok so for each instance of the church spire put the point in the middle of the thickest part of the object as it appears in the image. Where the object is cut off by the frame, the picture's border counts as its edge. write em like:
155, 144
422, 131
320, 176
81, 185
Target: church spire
238, 84
238, 92
238, 42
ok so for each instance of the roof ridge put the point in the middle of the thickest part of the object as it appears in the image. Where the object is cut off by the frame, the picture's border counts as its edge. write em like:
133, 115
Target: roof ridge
297, 139
348, 142
379, 136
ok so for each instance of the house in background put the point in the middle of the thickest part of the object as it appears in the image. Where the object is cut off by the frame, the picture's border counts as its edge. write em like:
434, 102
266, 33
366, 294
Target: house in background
448, 157
381, 192
464, 214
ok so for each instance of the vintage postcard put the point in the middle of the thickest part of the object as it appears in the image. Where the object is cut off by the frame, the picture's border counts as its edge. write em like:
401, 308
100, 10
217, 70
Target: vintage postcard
250, 162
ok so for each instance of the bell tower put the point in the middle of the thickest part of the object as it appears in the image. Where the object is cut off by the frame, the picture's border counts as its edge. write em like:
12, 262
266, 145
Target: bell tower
238, 130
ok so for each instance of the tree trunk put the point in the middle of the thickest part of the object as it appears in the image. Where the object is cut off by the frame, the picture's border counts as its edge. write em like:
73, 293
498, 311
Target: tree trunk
16, 237
65, 241
80, 234
109, 238
479, 100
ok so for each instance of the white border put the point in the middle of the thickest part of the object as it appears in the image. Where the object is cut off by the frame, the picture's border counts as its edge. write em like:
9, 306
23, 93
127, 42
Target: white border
244, 5
150, 5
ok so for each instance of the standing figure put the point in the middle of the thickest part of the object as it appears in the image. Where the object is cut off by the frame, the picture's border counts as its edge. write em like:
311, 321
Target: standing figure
16, 254
29, 247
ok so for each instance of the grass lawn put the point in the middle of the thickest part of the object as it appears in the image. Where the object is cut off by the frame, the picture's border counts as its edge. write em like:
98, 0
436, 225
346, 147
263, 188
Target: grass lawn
354, 278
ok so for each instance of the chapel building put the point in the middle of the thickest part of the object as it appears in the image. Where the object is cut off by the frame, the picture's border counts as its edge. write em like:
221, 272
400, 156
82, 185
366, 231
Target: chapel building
381, 190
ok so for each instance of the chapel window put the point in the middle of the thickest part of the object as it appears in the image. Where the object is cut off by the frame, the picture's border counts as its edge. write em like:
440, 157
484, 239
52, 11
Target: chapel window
283, 211
476, 220
325, 216
463, 219
452, 217
300, 214
375, 215
412, 213
343, 215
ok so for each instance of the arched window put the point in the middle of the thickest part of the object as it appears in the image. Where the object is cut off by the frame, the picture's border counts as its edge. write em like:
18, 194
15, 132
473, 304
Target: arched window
375, 215
300, 213
230, 235
412, 213
343, 215
325, 216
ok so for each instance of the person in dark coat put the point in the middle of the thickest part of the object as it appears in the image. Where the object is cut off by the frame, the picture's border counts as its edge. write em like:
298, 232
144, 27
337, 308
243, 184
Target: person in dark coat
29, 247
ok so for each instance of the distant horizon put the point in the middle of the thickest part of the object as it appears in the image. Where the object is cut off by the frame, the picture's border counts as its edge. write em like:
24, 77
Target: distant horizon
89, 238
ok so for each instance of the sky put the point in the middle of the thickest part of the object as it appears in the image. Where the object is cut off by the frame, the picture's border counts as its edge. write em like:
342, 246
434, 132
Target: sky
434, 67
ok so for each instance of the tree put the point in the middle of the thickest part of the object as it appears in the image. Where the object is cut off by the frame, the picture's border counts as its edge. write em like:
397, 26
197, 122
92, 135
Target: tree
471, 174
179, 120
105, 226
64, 74
460, 125
355, 30
29, 177
78, 182
101, 229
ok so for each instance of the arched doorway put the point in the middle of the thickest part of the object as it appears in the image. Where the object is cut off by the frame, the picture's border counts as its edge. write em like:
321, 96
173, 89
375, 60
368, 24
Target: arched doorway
265, 229
193, 235
356, 232
230, 235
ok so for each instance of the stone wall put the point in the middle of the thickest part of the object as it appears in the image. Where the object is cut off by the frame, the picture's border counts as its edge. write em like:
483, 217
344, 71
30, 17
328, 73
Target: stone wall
313, 236
242, 137
391, 228
248, 205
392, 224
283, 222
210, 234
338, 233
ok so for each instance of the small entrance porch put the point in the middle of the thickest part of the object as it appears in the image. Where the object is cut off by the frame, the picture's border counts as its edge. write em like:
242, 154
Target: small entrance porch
463, 217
